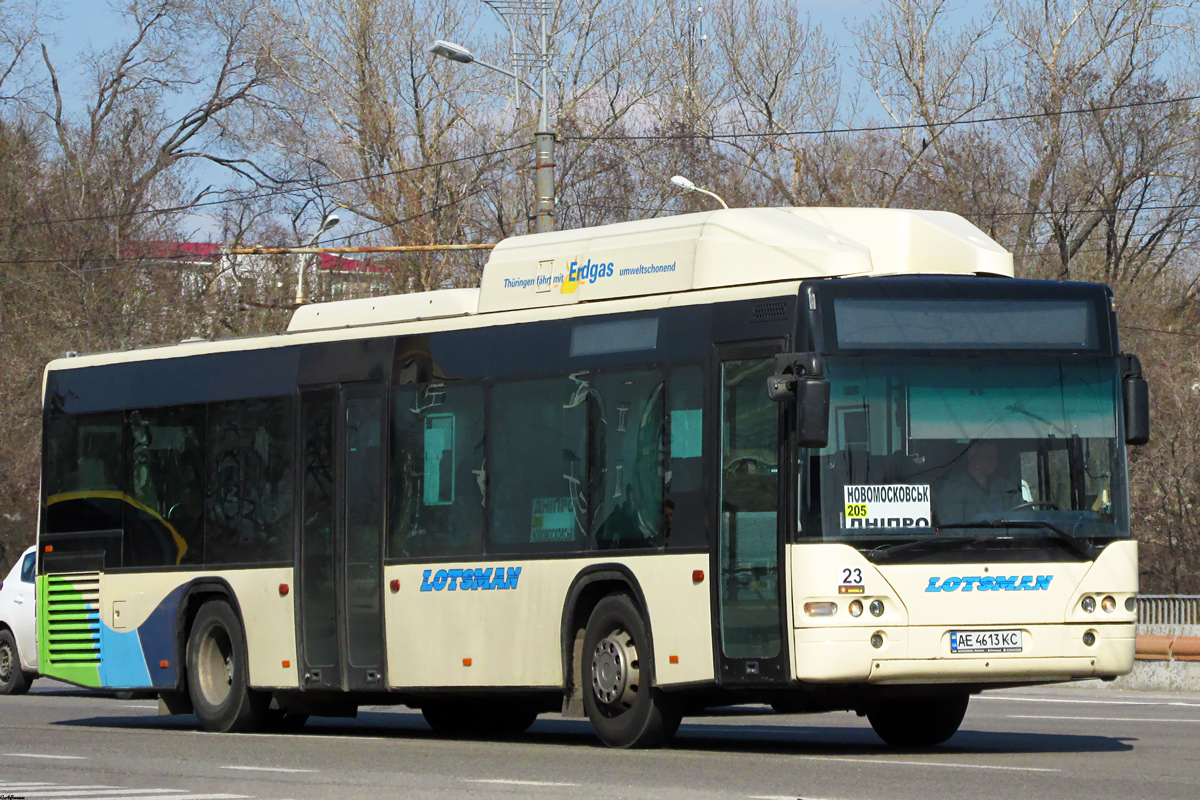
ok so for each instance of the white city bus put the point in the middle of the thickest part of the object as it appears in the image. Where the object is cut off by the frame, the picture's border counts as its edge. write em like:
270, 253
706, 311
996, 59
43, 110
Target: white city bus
816, 458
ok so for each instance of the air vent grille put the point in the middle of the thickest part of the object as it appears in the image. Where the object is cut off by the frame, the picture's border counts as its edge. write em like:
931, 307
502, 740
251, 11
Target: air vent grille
73, 618
767, 310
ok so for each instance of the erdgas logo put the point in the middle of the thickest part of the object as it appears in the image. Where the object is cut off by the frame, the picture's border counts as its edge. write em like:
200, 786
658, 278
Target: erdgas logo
991, 583
588, 272
470, 578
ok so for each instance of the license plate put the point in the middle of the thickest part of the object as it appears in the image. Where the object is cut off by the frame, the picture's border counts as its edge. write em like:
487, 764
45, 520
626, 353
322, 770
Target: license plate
985, 641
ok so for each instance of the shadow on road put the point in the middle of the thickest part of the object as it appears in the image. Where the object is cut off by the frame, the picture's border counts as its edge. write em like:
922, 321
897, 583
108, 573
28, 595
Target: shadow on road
694, 735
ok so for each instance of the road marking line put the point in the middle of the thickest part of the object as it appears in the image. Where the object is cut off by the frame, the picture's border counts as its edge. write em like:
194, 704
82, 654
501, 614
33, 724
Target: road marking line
182, 797
270, 769
44, 755
1090, 702
927, 763
111, 792
1102, 719
515, 783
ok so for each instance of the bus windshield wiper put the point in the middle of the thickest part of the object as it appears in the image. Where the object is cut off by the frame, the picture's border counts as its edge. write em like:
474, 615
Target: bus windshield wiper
885, 551
1085, 548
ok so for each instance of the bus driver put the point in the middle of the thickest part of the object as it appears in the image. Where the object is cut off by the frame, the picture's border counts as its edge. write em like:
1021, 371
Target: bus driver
976, 492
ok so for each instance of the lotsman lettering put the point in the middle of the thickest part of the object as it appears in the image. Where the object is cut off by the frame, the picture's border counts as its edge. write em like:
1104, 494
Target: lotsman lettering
1043, 583
454, 574
932, 586
483, 579
439, 580
513, 574
426, 586
969, 584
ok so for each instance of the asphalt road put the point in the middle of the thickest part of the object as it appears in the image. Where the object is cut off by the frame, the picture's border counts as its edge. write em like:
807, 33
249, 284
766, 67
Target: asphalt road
59, 742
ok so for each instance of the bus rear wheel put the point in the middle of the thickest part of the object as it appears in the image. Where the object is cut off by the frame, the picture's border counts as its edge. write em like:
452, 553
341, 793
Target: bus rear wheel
218, 675
918, 721
625, 709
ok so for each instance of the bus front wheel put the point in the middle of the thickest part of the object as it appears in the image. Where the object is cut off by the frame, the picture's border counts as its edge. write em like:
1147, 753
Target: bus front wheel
625, 709
917, 721
218, 675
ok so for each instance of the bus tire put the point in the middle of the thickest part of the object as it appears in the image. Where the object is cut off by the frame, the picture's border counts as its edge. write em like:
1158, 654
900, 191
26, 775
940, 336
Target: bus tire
13, 680
218, 675
918, 721
618, 668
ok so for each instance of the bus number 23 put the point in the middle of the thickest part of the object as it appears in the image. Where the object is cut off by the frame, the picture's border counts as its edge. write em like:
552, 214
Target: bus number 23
852, 576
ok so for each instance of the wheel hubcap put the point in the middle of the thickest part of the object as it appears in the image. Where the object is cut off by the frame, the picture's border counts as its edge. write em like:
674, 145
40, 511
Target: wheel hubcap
215, 663
6, 662
615, 675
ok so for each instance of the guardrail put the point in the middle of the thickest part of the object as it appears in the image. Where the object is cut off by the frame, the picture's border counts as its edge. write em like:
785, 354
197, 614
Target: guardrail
1168, 619
1169, 609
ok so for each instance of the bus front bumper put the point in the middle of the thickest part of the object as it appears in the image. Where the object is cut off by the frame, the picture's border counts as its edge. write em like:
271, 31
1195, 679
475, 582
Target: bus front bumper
921, 654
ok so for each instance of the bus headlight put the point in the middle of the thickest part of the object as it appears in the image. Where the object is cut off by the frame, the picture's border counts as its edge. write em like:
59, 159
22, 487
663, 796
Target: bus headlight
876, 608
1109, 604
1089, 638
1088, 604
820, 609
856, 608
1131, 604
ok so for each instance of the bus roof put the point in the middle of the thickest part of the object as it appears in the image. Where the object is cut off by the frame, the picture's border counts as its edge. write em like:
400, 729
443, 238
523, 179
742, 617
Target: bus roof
713, 249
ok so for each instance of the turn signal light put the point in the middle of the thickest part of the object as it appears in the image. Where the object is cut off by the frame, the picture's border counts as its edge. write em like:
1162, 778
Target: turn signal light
395, 584
856, 608
1109, 604
283, 590
819, 609
697, 576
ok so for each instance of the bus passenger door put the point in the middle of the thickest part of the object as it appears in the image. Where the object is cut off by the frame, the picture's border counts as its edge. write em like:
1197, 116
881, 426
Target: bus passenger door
339, 572
751, 618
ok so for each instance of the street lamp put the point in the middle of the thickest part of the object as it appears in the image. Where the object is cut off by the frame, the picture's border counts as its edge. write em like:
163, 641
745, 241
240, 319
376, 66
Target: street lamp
543, 140
684, 183
326, 224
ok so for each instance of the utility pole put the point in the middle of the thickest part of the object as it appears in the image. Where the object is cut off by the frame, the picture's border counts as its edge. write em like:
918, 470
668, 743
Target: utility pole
543, 139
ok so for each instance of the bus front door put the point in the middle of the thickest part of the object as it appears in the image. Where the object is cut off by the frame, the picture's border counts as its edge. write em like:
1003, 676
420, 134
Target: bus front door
747, 563
340, 559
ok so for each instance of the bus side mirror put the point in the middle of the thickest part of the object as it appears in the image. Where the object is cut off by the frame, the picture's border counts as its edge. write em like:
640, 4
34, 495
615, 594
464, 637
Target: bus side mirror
812, 412
1135, 396
800, 378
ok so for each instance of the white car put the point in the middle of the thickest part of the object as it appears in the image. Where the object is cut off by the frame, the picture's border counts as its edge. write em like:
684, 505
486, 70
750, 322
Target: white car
18, 626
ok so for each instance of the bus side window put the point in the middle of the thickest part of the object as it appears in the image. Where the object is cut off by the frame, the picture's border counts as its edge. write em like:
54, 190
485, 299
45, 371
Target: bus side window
248, 491
437, 471
83, 473
625, 471
685, 512
164, 473
536, 473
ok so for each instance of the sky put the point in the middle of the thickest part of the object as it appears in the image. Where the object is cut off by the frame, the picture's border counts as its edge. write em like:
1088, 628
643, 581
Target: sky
80, 26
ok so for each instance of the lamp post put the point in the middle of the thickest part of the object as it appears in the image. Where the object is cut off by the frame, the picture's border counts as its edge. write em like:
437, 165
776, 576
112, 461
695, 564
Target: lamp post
684, 183
543, 140
326, 224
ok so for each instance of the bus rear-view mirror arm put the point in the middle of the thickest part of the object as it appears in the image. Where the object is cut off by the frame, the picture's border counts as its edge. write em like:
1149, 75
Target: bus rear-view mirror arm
800, 379
1135, 396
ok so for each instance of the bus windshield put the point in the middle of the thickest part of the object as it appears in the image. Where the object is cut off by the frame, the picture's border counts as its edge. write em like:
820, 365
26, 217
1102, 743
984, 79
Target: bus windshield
988, 449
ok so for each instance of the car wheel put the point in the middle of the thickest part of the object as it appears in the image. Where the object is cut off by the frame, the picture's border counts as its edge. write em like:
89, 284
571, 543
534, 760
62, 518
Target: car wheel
625, 709
218, 675
12, 679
